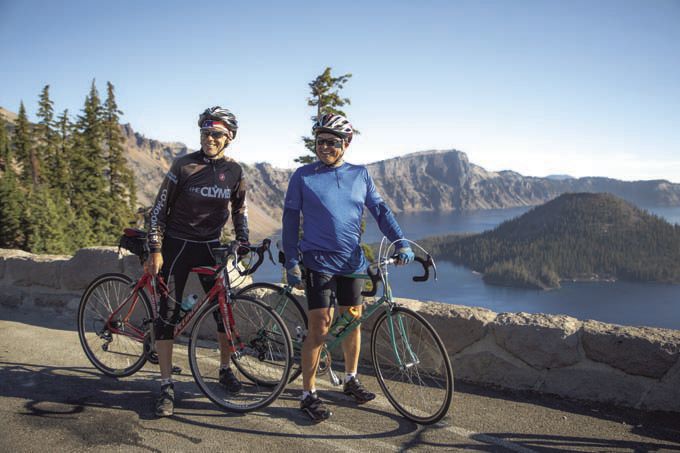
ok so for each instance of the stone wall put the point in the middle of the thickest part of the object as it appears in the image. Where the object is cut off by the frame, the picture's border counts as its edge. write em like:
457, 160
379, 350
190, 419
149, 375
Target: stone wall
555, 354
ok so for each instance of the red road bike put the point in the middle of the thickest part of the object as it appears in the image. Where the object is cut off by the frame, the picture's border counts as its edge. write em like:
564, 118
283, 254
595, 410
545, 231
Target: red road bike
116, 319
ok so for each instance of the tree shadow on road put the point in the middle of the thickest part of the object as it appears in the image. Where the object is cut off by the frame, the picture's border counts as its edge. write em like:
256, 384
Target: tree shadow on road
493, 442
69, 396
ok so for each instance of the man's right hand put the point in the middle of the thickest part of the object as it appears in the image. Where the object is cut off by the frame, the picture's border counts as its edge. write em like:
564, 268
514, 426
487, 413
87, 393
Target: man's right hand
294, 277
154, 264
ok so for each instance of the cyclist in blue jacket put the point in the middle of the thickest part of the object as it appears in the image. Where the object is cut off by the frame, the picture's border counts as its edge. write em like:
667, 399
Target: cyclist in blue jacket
331, 195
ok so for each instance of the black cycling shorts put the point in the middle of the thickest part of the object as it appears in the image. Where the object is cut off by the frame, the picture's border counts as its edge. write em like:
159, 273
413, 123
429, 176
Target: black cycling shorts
179, 257
322, 290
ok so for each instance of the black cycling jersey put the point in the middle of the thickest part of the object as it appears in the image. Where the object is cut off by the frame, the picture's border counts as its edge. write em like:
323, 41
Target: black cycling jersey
193, 201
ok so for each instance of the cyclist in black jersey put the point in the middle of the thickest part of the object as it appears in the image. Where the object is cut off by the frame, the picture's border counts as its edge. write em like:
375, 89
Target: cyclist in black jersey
191, 208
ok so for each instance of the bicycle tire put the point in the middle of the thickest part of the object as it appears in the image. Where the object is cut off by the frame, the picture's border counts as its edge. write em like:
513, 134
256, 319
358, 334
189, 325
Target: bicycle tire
123, 355
289, 308
267, 353
422, 390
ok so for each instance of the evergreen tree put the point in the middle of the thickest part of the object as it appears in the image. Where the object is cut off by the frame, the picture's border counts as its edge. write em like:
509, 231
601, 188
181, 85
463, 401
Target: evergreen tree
4, 144
46, 136
11, 212
60, 170
121, 178
325, 96
90, 199
43, 226
24, 149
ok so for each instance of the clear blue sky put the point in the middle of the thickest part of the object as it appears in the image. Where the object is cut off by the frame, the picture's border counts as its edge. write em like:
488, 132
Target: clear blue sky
539, 87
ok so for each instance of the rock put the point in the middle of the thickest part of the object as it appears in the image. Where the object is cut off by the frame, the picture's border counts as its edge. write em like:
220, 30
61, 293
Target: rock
458, 326
131, 265
595, 382
59, 302
6, 254
542, 341
665, 395
87, 264
25, 269
12, 297
642, 351
486, 363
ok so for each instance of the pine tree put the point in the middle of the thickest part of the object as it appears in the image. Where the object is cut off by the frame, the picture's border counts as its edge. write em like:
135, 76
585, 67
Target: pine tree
24, 149
43, 226
46, 136
121, 178
62, 153
90, 199
4, 144
11, 233
325, 96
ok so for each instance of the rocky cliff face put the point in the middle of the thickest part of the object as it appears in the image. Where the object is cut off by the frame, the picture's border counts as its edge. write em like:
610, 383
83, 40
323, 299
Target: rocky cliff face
423, 181
151, 159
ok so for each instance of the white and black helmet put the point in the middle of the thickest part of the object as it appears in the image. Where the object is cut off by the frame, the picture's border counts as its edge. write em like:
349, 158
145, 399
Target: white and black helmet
334, 124
218, 113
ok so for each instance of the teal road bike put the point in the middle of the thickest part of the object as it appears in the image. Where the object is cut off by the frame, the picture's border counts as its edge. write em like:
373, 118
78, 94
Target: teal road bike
409, 359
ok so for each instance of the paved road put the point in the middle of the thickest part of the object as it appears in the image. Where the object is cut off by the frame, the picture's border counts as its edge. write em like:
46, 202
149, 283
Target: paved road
51, 399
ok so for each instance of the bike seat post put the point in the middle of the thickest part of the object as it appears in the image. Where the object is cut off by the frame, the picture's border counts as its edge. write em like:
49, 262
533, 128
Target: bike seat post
221, 254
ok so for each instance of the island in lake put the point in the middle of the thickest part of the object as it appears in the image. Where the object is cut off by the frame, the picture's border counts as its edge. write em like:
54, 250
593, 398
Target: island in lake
576, 236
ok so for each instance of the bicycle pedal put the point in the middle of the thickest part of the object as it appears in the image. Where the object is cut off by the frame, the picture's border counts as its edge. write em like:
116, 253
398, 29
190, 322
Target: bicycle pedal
176, 370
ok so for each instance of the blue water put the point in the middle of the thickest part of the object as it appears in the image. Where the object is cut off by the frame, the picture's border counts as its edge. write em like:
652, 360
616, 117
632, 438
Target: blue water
655, 305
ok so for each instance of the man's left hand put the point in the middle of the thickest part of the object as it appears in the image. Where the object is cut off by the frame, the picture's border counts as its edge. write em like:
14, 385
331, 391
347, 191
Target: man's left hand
405, 255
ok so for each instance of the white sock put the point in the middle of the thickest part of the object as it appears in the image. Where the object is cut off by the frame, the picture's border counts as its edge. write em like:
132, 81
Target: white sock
166, 381
349, 376
306, 393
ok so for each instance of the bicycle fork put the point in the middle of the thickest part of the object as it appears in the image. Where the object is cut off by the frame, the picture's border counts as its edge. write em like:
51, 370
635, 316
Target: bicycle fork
414, 360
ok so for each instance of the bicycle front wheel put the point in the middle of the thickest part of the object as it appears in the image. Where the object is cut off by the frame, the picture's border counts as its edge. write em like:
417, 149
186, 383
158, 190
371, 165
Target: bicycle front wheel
290, 310
262, 361
412, 365
114, 344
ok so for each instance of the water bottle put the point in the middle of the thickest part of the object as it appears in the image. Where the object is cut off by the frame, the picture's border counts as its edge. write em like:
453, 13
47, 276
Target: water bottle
188, 303
343, 321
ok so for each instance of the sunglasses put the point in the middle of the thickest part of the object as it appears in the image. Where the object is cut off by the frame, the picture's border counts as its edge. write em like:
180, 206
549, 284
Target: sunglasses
332, 142
214, 134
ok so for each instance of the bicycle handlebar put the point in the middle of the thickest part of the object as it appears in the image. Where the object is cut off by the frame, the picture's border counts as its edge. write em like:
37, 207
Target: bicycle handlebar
235, 248
373, 272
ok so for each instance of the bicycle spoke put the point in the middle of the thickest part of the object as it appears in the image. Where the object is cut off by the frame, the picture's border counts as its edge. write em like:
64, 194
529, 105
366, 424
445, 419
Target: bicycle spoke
119, 351
412, 367
287, 307
262, 366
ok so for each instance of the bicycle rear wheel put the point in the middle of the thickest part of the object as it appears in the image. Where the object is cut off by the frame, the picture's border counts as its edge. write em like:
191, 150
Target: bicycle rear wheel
115, 346
412, 365
290, 310
262, 365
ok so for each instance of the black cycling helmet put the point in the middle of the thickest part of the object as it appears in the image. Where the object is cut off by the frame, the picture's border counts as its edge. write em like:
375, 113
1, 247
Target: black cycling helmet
334, 124
211, 118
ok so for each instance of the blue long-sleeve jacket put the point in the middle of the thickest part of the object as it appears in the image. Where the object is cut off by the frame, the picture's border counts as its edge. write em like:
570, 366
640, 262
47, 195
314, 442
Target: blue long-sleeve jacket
332, 201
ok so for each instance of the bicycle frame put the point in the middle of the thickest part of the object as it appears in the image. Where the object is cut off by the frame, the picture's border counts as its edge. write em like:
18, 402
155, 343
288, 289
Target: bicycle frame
333, 341
219, 291
367, 313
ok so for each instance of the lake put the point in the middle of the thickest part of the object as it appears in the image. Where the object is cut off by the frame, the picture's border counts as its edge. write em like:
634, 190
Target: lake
640, 304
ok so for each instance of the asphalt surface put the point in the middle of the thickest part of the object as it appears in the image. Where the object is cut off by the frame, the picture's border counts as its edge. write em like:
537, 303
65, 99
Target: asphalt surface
52, 399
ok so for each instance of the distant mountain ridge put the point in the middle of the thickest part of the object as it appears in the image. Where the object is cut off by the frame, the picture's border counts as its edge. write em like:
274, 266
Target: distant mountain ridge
422, 181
